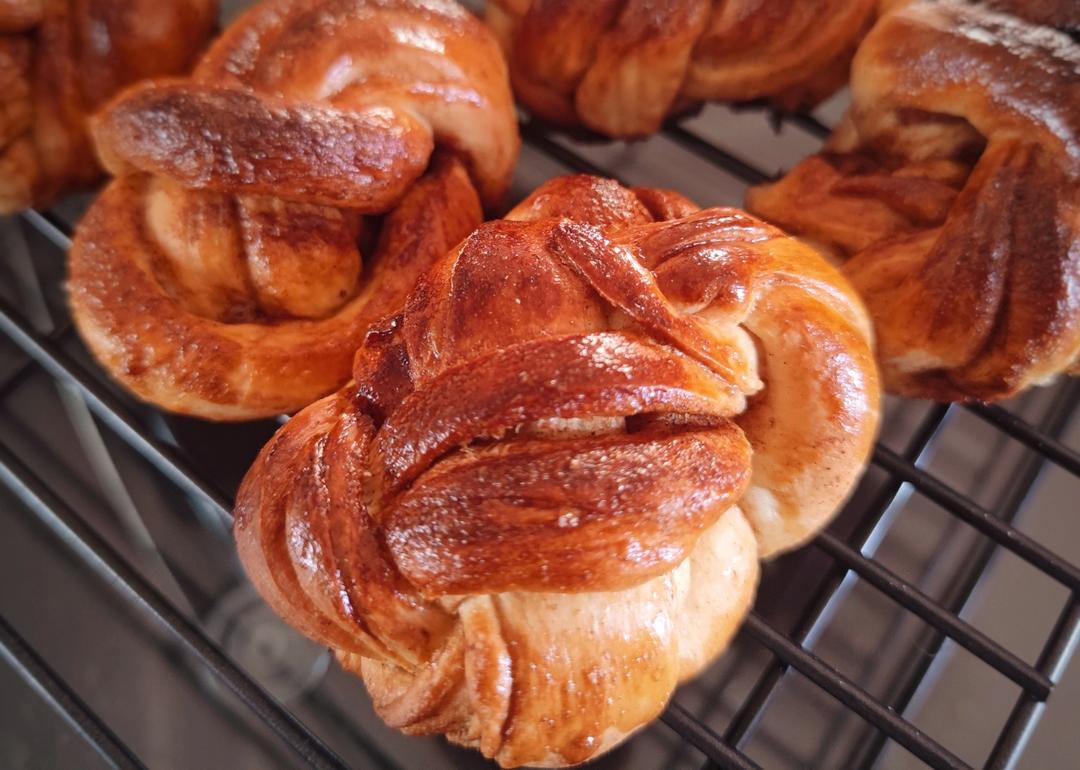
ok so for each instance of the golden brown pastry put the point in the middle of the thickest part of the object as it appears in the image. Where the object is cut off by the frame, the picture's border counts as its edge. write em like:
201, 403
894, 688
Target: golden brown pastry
540, 504
59, 61
952, 193
221, 275
620, 67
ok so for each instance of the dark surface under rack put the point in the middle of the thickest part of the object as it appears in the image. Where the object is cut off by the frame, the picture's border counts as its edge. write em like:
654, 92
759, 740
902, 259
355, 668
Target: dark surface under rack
798, 596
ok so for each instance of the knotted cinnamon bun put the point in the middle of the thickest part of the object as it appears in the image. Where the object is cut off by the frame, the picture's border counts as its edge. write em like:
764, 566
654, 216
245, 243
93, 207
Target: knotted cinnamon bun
951, 193
540, 504
220, 275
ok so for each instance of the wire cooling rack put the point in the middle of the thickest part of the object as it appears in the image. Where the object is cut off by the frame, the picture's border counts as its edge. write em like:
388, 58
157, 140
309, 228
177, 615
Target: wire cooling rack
795, 667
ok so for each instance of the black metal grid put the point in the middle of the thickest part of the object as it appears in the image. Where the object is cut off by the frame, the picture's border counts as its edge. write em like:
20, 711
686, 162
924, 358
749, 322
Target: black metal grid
788, 651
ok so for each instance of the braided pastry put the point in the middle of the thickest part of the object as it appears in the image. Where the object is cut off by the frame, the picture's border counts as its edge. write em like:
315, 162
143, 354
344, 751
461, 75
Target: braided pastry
220, 274
952, 191
540, 504
621, 66
59, 61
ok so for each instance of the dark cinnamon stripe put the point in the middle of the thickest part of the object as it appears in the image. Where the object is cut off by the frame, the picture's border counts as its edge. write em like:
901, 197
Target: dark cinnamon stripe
605, 374
586, 514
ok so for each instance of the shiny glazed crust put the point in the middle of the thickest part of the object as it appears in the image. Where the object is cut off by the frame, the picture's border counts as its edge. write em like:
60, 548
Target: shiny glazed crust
951, 192
59, 61
221, 274
540, 504
620, 67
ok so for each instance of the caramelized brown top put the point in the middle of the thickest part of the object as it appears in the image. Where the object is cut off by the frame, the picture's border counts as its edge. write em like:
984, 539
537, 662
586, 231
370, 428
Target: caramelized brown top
621, 66
346, 83
952, 191
59, 61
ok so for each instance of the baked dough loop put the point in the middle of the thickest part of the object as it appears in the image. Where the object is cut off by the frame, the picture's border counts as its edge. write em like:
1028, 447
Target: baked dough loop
62, 59
951, 192
619, 67
540, 504
221, 275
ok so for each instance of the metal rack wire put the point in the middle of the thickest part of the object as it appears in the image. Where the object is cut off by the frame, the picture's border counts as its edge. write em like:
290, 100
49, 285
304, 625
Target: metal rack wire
846, 551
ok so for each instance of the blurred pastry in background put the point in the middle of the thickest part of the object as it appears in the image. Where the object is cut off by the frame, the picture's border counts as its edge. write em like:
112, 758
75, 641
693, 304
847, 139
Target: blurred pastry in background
621, 67
60, 60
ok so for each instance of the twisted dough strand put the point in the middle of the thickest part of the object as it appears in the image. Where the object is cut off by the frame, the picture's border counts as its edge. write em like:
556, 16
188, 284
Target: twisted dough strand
222, 275
540, 504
